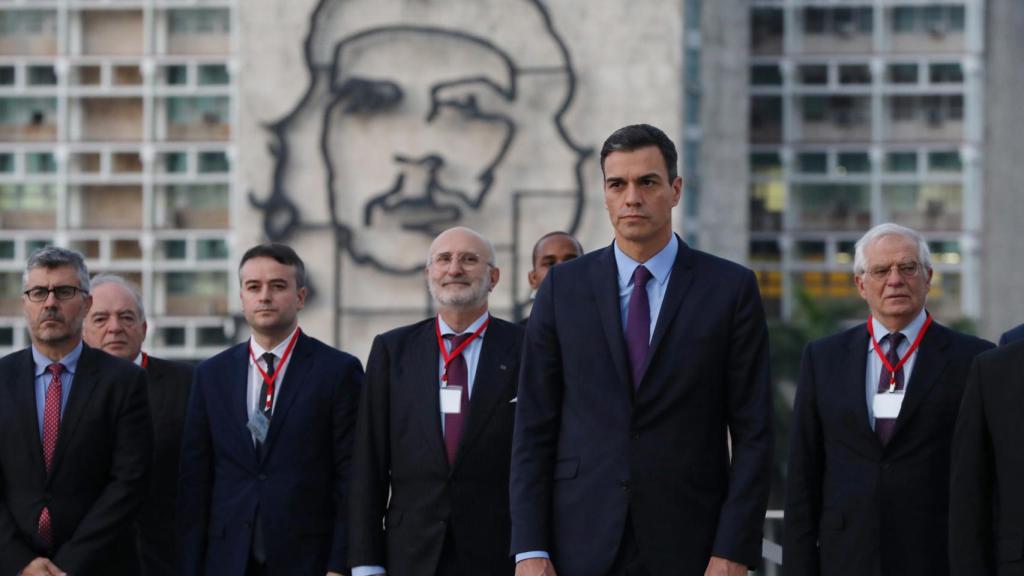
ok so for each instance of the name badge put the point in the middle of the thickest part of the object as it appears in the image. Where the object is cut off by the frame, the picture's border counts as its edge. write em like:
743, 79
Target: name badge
258, 424
451, 399
887, 405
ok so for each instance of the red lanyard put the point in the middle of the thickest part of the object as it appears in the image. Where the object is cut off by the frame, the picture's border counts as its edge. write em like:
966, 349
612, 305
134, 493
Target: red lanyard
913, 347
271, 378
448, 357
145, 360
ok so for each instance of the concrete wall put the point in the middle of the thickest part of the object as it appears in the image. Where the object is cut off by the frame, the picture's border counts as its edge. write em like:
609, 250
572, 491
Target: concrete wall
1002, 258
627, 59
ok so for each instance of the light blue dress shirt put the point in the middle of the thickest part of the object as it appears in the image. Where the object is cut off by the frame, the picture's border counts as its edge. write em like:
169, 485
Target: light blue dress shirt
472, 355
874, 371
43, 379
660, 267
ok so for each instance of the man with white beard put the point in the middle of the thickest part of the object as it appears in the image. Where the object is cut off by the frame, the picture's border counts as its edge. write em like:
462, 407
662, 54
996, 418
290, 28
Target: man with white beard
435, 429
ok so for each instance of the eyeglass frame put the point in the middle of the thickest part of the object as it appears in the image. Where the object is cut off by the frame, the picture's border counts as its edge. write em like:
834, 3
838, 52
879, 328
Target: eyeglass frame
906, 270
460, 257
75, 290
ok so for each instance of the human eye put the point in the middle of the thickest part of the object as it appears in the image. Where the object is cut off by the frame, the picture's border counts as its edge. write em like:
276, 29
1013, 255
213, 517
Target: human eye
64, 292
38, 294
365, 96
127, 319
443, 259
908, 269
469, 259
99, 319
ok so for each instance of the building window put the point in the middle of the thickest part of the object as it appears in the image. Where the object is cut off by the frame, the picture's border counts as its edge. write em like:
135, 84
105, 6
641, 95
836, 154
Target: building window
903, 73
6, 162
213, 75
901, 162
766, 119
853, 163
7, 75
812, 162
814, 108
211, 249
813, 74
944, 161
765, 75
765, 163
854, 74
213, 162
766, 30
42, 76
200, 21
831, 207
40, 163
946, 73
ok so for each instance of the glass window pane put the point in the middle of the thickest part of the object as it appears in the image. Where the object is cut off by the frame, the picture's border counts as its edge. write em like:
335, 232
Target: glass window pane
765, 163
831, 207
853, 163
901, 162
211, 162
176, 162
810, 251
6, 162
211, 250
812, 162
903, 73
767, 203
950, 73
6, 75
765, 251
176, 75
932, 207
854, 74
174, 249
946, 161
213, 75
42, 76
765, 75
814, 74
40, 163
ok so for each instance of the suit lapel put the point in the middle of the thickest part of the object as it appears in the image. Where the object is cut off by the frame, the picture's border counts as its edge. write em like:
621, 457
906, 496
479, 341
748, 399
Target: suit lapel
421, 380
299, 366
852, 386
24, 390
604, 279
928, 367
86, 375
492, 372
678, 285
237, 404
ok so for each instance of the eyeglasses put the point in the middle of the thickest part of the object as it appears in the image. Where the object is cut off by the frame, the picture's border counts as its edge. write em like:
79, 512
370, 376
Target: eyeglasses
906, 270
40, 294
466, 260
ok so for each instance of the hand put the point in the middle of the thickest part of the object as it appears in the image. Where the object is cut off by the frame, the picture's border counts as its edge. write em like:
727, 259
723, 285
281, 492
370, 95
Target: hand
42, 567
335, 574
721, 567
535, 567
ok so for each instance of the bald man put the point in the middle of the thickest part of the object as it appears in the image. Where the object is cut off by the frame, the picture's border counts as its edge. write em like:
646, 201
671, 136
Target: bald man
116, 324
435, 429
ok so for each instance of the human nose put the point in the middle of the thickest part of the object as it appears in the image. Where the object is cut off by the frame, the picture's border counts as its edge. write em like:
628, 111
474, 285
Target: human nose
632, 195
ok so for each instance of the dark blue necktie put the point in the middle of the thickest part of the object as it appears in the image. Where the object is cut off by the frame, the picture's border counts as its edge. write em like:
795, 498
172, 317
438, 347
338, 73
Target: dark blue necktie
638, 324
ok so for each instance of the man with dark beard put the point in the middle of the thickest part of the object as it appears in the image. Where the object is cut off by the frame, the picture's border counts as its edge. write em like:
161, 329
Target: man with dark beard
435, 429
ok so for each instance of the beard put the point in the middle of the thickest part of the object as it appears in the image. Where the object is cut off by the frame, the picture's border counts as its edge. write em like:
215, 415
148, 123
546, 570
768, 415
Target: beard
473, 295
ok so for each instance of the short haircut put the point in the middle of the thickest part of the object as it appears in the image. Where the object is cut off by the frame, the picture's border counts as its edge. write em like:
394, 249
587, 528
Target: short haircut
282, 254
924, 255
492, 261
51, 257
541, 240
105, 278
638, 136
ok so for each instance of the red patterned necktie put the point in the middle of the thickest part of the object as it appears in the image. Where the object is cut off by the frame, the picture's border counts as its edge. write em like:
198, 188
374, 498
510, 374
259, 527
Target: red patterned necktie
51, 429
458, 375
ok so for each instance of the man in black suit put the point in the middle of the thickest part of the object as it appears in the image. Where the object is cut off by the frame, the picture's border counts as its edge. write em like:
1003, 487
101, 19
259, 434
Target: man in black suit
868, 483
986, 506
643, 434
435, 429
264, 480
116, 324
1016, 333
75, 436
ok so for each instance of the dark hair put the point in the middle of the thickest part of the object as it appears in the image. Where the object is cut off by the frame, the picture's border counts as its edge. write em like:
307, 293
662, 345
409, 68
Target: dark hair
283, 254
51, 257
549, 235
638, 136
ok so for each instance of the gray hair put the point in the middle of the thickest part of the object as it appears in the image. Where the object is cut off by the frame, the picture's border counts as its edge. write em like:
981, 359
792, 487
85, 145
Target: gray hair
492, 261
133, 289
51, 257
924, 255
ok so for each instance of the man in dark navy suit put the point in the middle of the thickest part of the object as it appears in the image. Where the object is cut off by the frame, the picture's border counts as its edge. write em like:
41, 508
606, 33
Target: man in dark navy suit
434, 438
1011, 335
643, 437
268, 436
868, 485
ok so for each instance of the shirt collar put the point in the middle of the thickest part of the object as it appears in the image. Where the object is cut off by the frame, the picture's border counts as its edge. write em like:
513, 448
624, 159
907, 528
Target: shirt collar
910, 331
658, 265
258, 351
70, 361
446, 329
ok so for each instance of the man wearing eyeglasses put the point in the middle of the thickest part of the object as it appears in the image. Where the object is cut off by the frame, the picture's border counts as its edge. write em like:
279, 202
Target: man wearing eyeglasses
435, 429
75, 436
869, 462
116, 324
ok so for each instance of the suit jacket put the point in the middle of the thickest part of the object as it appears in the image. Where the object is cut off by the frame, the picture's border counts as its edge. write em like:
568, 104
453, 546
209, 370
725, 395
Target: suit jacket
589, 452
98, 478
169, 384
854, 507
400, 447
1012, 334
986, 507
300, 484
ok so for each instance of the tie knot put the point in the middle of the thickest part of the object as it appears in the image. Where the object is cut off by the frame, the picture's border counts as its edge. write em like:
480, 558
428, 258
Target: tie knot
269, 358
458, 339
56, 369
895, 338
640, 276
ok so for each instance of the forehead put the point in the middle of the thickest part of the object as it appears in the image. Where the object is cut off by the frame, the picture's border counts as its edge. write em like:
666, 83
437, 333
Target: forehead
634, 163
418, 57
111, 296
458, 241
263, 269
891, 248
558, 244
59, 276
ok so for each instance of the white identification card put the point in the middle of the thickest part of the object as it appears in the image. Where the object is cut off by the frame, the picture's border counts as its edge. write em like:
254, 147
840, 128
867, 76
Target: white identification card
451, 399
887, 405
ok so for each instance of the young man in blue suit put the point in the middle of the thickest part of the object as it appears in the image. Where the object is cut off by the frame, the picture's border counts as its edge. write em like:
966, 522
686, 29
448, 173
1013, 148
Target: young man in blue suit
268, 435
643, 434
868, 486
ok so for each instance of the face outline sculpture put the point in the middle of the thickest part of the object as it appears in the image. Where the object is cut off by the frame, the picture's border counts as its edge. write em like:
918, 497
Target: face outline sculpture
416, 122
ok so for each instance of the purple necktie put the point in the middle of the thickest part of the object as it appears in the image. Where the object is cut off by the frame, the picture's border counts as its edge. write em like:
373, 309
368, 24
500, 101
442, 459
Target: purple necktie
638, 324
458, 375
884, 426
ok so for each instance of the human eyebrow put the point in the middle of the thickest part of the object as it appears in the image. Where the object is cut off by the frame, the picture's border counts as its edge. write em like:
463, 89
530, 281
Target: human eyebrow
366, 95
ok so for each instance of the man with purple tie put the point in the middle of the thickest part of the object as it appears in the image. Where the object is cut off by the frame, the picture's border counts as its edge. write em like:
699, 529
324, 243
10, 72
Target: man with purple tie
868, 484
643, 437
434, 435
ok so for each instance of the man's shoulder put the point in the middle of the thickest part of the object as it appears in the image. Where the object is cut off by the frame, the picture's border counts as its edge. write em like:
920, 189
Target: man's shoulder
403, 333
15, 359
845, 338
705, 261
965, 343
324, 350
172, 368
1004, 358
222, 360
1016, 333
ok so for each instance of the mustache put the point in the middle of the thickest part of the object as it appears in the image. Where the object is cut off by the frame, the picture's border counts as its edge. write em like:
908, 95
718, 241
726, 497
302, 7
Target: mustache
51, 315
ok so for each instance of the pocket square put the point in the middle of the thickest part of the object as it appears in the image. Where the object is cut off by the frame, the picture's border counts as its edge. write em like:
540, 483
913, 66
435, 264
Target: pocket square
514, 400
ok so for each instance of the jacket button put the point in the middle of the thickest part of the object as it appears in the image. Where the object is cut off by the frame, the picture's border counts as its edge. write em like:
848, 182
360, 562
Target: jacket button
262, 477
